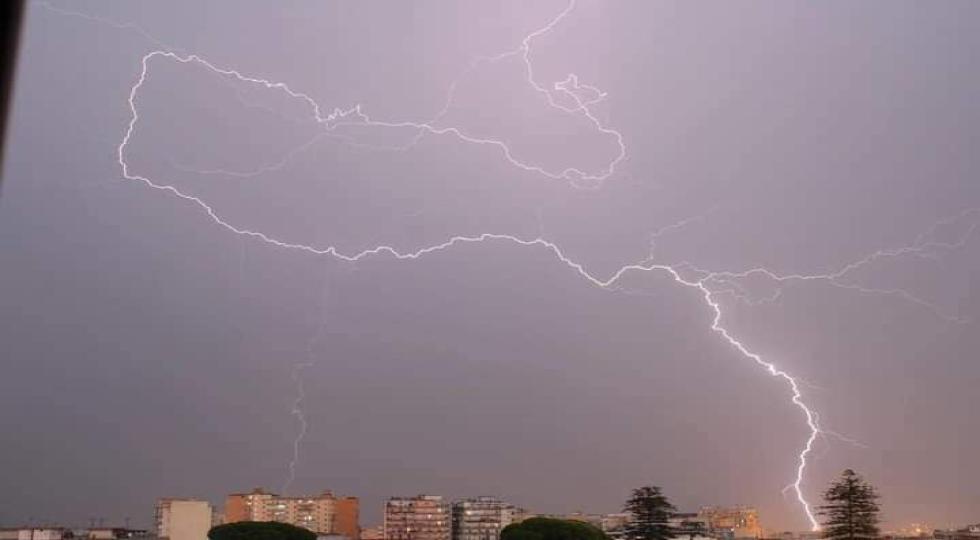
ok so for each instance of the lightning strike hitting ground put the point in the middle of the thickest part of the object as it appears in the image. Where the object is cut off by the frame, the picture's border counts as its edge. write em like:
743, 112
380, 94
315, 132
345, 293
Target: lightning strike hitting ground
582, 97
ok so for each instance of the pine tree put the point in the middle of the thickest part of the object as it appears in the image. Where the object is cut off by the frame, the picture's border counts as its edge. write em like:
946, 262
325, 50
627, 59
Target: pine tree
851, 509
651, 513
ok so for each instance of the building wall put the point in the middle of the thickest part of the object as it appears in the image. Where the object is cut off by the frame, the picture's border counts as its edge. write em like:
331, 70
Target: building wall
347, 517
183, 519
425, 517
33, 533
236, 509
742, 521
481, 518
324, 514
254, 506
373, 533
614, 525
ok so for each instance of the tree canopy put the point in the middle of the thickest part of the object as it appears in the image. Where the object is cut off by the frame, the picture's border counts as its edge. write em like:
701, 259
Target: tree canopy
551, 529
851, 508
260, 530
651, 512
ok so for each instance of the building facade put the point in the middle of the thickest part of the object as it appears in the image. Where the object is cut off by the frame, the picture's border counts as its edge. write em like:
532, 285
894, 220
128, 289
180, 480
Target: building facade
112, 533
481, 518
347, 517
739, 521
425, 517
324, 514
65, 533
183, 519
971, 532
35, 533
614, 525
373, 533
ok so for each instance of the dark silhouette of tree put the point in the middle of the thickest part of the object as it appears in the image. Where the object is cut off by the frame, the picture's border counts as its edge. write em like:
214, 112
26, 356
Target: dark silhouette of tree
551, 529
651, 513
851, 509
259, 530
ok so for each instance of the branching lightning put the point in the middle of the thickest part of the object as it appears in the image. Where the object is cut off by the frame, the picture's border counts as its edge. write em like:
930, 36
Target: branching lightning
699, 285
102, 20
925, 247
708, 285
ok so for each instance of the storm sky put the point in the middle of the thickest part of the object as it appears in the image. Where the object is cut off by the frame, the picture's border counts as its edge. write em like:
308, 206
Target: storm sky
149, 351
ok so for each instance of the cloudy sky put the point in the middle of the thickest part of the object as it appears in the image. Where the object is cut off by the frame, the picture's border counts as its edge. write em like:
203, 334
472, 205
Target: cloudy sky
152, 337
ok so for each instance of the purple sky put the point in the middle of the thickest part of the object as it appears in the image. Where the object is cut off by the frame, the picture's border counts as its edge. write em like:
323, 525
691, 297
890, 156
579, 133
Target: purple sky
148, 351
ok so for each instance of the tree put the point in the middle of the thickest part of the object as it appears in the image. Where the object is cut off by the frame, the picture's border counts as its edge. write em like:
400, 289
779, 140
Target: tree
851, 509
259, 530
551, 529
651, 513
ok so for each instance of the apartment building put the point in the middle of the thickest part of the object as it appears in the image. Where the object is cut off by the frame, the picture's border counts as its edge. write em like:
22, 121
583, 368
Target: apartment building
481, 518
424, 517
183, 519
324, 514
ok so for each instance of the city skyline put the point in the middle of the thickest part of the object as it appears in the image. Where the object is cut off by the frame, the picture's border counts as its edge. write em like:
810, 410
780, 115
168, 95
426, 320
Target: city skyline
340, 517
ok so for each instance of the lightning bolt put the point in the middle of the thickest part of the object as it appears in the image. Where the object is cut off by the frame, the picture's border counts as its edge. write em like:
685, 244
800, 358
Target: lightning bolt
297, 376
108, 22
925, 247
300, 415
583, 96
708, 285
656, 235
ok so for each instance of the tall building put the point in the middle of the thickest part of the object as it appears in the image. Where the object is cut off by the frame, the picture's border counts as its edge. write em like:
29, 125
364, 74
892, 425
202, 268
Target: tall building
254, 506
183, 519
425, 517
322, 514
740, 521
694, 526
347, 517
481, 518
